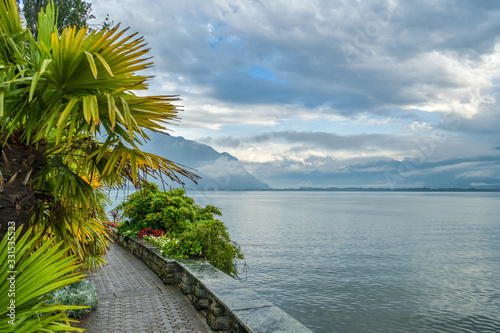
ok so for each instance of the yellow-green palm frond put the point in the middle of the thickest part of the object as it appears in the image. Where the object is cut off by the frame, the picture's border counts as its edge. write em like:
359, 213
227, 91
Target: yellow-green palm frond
105, 61
71, 206
135, 165
46, 25
12, 34
10, 20
120, 115
83, 232
74, 79
125, 115
86, 236
39, 271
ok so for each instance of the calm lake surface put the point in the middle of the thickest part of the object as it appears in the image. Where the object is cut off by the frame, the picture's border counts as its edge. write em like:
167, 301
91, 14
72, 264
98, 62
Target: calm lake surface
371, 261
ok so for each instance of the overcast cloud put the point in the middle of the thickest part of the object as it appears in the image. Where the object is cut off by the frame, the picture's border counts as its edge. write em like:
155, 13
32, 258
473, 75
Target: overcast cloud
319, 85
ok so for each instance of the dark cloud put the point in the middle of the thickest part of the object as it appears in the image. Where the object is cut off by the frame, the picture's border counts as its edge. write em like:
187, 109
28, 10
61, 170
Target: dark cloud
352, 142
432, 62
485, 123
225, 141
212, 46
329, 141
468, 27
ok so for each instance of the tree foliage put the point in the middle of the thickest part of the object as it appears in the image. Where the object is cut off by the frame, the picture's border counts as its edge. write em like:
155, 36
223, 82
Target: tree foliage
69, 13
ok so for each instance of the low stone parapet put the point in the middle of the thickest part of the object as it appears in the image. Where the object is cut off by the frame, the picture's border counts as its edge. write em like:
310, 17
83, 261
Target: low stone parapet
227, 304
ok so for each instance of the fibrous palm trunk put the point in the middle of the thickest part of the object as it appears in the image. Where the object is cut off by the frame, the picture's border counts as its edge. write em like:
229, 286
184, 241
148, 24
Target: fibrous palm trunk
19, 164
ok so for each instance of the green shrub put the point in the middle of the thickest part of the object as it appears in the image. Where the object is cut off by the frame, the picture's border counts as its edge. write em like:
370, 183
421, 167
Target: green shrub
169, 211
82, 292
207, 239
190, 230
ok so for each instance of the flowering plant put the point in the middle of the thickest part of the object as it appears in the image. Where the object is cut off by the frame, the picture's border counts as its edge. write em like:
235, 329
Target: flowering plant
161, 241
112, 224
150, 232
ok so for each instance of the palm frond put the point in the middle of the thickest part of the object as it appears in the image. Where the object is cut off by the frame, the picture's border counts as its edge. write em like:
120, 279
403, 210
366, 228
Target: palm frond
37, 272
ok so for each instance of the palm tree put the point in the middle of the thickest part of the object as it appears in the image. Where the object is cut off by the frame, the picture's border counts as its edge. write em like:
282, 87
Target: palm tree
70, 118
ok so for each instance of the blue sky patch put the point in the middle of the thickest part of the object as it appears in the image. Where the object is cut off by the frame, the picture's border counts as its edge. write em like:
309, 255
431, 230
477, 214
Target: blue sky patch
258, 72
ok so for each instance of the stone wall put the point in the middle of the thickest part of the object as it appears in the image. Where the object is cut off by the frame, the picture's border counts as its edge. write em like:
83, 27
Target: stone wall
226, 303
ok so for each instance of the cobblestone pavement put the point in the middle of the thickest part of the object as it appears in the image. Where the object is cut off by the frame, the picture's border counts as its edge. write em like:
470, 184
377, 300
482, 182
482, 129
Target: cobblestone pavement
133, 299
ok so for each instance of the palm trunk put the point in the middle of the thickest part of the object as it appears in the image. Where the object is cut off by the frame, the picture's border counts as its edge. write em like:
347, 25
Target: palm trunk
19, 164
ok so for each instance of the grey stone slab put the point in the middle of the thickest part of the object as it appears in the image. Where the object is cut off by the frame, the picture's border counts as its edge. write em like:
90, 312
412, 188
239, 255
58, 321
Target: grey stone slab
201, 268
236, 299
209, 276
269, 320
221, 284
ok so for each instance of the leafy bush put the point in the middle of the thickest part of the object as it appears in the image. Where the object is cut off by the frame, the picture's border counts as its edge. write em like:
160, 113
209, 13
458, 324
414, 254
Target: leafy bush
190, 230
169, 211
80, 293
209, 240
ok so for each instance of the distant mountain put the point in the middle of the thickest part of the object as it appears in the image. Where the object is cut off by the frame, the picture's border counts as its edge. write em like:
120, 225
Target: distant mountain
219, 171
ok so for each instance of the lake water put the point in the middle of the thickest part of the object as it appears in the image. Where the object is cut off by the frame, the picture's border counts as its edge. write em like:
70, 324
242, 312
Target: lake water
371, 261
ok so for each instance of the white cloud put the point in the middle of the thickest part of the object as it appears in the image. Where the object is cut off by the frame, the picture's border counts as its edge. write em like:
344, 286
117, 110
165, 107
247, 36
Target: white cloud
419, 126
364, 119
478, 173
449, 83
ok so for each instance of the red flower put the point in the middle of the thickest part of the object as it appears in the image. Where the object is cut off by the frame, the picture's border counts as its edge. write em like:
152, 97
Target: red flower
151, 232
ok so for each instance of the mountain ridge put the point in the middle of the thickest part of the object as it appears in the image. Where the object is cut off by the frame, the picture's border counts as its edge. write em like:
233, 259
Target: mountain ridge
219, 171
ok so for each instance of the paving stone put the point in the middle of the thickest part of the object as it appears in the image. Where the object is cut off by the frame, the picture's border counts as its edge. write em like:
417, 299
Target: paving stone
133, 299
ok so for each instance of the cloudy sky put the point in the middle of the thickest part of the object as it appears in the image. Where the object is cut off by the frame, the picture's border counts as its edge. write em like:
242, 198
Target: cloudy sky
303, 89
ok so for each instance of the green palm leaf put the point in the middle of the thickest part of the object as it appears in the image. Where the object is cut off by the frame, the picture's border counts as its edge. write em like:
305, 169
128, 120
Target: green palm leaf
36, 273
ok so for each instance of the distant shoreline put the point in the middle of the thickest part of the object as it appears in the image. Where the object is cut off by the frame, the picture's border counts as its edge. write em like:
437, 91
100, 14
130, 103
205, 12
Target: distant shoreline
358, 189
361, 189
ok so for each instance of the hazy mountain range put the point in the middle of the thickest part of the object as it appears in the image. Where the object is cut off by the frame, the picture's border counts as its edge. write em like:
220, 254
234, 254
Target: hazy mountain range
219, 171
478, 172
222, 171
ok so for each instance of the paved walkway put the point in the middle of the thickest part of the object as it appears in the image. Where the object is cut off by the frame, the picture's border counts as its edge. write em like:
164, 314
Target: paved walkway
133, 299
